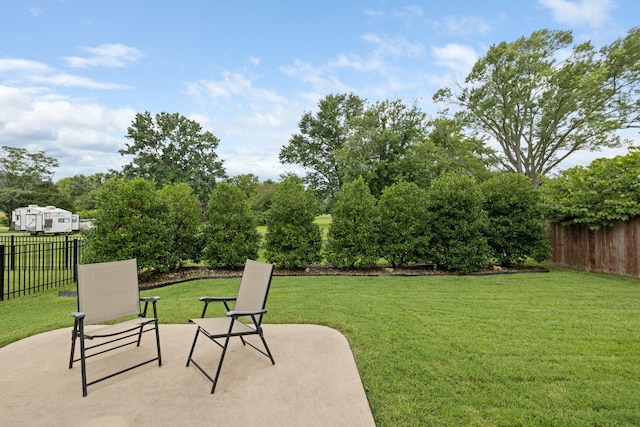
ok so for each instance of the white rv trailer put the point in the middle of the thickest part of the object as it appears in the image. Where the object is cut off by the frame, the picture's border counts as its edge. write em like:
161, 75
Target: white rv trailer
48, 219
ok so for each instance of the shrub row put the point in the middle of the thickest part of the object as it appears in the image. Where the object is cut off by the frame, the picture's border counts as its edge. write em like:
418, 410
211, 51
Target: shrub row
456, 223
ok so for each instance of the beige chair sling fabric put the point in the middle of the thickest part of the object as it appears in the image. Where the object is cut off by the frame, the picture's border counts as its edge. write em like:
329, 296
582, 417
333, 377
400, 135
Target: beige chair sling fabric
109, 291
244, 319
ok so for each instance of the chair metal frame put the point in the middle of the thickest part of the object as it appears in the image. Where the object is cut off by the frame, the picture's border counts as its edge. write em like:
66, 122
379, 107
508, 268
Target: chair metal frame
245, 319
106, 292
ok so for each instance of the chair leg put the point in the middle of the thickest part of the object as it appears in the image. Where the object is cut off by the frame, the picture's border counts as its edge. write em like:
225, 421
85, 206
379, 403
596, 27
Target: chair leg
193, 346
74, 336
158, 343
140, 335
83, 363
266, 347
224, 351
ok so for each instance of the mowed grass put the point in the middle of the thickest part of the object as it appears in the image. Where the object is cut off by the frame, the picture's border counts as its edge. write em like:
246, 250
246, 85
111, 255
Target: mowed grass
558, 348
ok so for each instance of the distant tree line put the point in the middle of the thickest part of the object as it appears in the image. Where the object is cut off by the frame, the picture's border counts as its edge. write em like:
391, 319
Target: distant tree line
400, 186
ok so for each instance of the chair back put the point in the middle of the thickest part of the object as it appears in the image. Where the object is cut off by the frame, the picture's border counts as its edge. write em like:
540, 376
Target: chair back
254, 287
108, 290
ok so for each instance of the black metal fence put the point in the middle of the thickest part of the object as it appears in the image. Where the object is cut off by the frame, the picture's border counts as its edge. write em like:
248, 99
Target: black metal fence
31, 264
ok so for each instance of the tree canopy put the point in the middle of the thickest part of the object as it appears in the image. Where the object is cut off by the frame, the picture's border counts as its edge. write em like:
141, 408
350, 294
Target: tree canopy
541, 99
381, 138
384, 143
320, 139
26, 178
170, 148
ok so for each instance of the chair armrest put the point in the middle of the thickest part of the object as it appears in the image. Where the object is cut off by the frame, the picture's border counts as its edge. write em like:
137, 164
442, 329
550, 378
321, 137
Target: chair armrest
78, 314
207, 300
237, 313
213, 299
153, 301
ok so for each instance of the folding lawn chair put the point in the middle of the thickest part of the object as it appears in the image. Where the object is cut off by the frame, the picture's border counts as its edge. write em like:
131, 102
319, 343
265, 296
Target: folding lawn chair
245, 318
109, 291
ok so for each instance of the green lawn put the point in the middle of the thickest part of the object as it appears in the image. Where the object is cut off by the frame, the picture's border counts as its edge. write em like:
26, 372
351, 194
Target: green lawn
558, 348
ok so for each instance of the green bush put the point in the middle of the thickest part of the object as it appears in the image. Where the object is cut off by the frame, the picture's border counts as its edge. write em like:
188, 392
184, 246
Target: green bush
230, 231
606, 191
516, 230
458, 243
292, 239
352, 240
405, 230
185, 220
133, 221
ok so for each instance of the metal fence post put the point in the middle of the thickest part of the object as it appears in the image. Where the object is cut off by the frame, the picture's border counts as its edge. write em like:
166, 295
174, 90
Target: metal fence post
2, 266
12, 256
75, 260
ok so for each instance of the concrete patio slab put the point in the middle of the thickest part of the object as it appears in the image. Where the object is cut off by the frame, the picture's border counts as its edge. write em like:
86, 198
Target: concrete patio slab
314, 382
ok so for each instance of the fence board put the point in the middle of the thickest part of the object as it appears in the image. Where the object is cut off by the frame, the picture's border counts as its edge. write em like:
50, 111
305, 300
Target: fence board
614, 250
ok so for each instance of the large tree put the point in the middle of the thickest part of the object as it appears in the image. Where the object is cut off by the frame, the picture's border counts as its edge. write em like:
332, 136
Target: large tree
320, 138
170, 148
349, 138
26, 170
382, 137
542, 99
446, 149
26, 178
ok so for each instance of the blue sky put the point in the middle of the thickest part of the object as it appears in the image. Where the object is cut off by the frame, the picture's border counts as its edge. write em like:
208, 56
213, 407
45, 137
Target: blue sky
73, 73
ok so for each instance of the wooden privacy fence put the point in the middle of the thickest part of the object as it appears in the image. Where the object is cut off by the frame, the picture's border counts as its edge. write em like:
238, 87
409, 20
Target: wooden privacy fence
614, 250
32, 264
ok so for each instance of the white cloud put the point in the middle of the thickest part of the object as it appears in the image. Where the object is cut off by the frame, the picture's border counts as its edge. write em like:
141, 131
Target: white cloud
252, 122
409, 14
463, 25
69, 80
8, 65
83, 137
459, 58
322, 78
356, 63
21, 72
232, 85
395, 46
34, 11
382, 60
593, 13
113, 55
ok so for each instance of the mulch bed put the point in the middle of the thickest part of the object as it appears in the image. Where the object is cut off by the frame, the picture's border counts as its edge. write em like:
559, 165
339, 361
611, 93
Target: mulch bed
192, 273
184, 274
